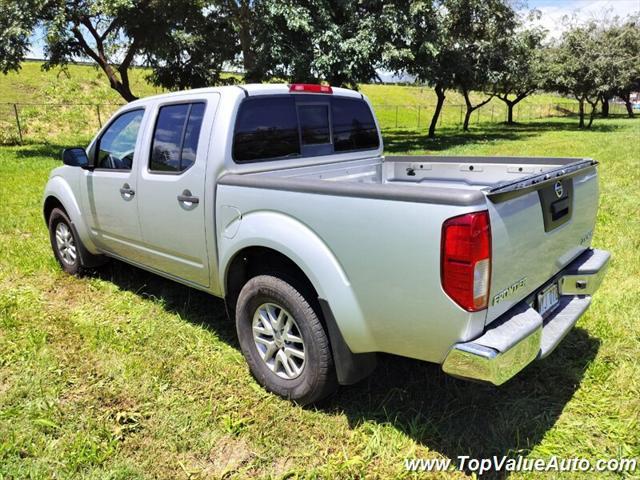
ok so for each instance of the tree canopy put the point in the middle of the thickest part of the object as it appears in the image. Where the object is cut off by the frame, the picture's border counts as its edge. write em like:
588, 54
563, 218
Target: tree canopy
114, 33
464, 45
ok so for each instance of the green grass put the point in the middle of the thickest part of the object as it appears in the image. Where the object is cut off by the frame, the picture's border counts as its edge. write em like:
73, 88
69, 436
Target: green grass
123, 374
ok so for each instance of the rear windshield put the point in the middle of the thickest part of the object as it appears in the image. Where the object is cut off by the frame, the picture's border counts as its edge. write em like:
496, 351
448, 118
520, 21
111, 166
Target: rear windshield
277, 127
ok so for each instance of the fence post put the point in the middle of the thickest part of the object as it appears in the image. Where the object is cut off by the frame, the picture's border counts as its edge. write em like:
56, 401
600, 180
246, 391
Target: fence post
15, 110
396, 116
99, 119
418, 117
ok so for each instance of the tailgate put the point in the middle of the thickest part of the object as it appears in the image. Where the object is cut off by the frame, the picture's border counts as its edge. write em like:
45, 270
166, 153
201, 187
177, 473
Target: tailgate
538, 225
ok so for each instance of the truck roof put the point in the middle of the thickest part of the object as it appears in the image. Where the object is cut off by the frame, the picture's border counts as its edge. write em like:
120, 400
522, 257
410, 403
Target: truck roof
251, 89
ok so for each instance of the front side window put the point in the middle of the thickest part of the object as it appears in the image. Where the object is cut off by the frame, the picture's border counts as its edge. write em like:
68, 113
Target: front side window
175, 137
116, 146
266, 128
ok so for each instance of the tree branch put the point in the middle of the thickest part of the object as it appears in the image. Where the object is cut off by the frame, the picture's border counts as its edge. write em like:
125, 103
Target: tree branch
128, 58
94, 33
112, 26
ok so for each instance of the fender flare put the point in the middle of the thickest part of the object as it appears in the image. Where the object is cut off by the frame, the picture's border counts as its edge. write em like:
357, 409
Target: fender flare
58, 188
306, 249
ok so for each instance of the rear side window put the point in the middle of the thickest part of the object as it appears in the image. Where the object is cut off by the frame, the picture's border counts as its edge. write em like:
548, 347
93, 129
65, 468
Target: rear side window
276, 127
175, 137
266, 128
353, 126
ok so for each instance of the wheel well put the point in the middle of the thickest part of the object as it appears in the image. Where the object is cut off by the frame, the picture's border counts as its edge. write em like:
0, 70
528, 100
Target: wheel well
253, 261
49, 204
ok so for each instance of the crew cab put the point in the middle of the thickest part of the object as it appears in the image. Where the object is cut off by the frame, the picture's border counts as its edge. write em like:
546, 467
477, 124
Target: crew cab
278, 199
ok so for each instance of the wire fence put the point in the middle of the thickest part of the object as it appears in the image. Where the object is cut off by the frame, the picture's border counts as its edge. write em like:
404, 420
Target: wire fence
31, 122
26, 122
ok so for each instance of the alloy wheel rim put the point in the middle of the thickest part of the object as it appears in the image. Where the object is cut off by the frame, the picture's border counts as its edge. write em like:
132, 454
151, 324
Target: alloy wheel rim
278, 340
66, 244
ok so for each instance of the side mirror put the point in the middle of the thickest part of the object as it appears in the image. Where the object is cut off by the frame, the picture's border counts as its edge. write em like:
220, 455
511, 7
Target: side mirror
75, 157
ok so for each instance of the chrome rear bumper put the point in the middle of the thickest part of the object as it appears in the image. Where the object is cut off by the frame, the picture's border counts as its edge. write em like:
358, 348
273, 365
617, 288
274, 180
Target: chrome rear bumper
521, 335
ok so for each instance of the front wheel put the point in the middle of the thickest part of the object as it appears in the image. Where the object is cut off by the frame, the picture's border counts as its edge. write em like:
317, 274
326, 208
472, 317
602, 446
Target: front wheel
67, 248
283, 340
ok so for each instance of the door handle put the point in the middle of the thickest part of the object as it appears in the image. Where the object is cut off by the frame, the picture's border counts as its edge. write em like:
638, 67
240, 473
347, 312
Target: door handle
187, 197
127, 190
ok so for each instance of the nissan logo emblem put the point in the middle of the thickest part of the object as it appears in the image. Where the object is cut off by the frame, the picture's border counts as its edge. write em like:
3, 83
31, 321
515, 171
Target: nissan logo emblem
558, 189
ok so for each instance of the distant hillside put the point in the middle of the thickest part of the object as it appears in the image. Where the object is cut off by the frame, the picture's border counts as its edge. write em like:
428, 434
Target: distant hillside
88, 84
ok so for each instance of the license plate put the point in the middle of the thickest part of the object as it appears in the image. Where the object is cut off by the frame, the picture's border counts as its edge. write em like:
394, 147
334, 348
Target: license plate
548, 299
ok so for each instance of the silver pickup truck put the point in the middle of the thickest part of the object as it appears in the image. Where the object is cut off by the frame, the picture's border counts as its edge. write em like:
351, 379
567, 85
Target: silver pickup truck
278, 199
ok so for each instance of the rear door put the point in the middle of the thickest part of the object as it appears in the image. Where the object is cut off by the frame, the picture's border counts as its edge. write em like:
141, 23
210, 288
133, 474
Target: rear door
171, 189
536, 234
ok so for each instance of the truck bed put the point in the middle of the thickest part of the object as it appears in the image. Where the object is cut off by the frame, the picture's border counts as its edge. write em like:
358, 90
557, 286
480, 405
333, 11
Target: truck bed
442, 179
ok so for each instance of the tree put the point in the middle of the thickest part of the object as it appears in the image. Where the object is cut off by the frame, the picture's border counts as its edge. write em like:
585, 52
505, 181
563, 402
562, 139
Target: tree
338, 41
625, 39
522, 72
480, 33
194, 52
421, 48
451, 44
245, 21
113, 34
580, 67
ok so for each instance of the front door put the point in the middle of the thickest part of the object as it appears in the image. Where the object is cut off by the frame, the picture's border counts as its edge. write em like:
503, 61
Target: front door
172, 187
110, 190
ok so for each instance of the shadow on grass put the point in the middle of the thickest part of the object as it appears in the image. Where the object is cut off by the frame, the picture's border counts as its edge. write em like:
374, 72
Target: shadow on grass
406, 140
193, 305
446, 415
458, 418
33, 149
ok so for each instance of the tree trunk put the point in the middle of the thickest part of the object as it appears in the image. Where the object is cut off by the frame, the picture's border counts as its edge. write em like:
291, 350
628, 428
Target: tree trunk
120, 85
594, 105
467, 114
439, 89
581, 112
471, 108
605, 107
629, 108
627, 103
244, 20
125, 92
467, 118
512, 103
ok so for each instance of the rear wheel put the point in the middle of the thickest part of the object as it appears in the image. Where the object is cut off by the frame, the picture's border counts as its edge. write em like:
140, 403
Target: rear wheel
283, 340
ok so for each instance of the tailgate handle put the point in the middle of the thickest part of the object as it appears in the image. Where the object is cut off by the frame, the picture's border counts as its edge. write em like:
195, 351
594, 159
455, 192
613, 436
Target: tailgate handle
559, 208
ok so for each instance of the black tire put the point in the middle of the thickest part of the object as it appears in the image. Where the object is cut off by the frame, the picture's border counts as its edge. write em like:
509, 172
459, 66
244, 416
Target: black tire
83, 259
317, 377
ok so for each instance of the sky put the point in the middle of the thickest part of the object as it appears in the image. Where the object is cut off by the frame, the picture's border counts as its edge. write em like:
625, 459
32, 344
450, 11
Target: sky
553, 14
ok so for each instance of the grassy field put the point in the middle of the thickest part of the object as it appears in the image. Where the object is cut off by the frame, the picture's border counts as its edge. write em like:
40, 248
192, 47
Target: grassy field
123, 374
54, 105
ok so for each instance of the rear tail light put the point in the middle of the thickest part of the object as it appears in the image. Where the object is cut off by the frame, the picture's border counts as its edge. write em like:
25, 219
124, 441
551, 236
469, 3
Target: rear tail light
466, 259
309, 88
